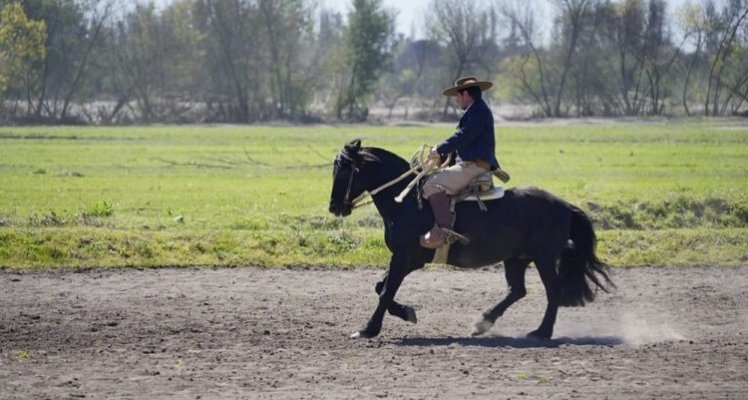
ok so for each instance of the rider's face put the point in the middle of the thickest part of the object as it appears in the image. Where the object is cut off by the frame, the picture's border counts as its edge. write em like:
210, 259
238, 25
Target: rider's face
463, 100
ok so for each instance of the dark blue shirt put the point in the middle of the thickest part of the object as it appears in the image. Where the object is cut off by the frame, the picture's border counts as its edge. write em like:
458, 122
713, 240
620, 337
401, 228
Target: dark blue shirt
474, 138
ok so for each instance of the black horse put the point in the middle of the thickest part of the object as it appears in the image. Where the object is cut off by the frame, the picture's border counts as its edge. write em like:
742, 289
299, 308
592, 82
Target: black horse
527, 225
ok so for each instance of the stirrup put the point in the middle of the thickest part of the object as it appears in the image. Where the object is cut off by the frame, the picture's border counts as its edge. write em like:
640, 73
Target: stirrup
453, 236
435, 243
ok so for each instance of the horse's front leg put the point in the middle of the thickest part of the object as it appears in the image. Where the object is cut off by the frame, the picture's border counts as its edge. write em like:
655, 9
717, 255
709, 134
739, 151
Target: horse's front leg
402, 311
395, 275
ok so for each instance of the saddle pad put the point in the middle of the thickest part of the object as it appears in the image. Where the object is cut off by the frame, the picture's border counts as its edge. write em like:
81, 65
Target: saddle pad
496, 193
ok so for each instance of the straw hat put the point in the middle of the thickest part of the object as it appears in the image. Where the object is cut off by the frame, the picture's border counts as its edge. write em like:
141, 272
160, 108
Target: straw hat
464, 83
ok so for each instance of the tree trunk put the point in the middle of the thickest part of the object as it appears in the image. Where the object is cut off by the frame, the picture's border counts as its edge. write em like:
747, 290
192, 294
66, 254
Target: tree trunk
688, 74
82, 66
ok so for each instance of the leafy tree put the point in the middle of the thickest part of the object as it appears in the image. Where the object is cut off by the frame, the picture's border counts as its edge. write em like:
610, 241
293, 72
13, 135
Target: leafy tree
21, 51
70, 38
257, 60
368, 40
328, 58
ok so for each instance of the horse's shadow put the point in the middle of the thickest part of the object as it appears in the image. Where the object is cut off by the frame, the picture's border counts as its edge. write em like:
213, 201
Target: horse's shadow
505, 341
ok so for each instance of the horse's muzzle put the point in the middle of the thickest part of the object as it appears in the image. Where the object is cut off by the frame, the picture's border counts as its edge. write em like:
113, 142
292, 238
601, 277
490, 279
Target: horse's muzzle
341, 209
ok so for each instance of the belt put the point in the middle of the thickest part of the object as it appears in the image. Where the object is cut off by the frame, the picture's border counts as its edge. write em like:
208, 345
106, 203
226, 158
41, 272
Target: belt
483, 164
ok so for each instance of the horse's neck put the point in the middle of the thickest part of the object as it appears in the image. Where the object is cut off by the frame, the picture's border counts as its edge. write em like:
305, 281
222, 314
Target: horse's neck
390, 168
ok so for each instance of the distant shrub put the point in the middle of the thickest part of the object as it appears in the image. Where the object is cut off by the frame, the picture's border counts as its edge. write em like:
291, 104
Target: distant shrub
676, 213
100, 209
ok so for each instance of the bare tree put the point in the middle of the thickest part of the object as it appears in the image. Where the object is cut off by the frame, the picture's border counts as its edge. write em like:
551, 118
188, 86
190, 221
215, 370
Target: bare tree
659, 53
522, 17
98, 16
552, 69
233, 55
464, 28
573, 16
725, 28
694, 26
287, 25
628, 34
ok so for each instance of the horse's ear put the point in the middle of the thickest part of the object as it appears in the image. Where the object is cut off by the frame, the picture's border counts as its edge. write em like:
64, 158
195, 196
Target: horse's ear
354, 145
366, 156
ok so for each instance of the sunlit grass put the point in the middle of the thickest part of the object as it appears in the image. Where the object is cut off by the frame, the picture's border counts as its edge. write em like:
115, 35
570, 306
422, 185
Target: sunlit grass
237, 195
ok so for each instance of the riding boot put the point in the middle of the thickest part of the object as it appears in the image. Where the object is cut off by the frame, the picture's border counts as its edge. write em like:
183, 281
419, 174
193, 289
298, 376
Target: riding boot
443, 217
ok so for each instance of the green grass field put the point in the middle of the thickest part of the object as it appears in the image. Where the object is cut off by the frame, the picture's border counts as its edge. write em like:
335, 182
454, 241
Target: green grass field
659, 193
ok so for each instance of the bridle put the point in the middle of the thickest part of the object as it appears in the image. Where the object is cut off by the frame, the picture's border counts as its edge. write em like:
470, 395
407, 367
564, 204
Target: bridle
361, 200
418, 166
347, 199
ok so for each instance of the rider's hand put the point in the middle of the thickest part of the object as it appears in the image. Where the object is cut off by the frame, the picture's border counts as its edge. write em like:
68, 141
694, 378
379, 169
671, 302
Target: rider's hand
434, 157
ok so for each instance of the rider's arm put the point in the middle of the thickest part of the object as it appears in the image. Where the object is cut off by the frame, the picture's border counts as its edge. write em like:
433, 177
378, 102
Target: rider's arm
469, 130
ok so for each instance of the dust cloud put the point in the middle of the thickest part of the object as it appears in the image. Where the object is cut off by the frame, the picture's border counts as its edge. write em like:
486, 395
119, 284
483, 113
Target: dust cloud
638, 330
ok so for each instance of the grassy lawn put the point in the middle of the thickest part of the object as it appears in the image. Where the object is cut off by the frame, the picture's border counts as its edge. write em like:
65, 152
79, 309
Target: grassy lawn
659, 193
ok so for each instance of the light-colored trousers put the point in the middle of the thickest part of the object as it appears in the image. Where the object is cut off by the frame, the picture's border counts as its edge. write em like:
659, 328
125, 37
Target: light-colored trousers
452, 179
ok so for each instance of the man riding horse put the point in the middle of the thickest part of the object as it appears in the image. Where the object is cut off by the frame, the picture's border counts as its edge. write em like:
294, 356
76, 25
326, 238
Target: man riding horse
527, 225
474, 142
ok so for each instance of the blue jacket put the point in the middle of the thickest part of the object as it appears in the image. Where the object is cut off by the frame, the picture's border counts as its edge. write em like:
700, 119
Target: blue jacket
474, 137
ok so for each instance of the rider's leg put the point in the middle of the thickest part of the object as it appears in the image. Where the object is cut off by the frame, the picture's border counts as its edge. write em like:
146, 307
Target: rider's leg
437, 190
443, 217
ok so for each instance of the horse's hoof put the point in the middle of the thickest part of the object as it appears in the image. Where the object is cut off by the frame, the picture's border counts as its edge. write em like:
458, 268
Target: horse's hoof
539, 335
481, 327
410, 314
362, 335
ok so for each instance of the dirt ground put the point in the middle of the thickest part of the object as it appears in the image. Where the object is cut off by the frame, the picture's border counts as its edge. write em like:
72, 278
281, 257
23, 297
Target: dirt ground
271, 333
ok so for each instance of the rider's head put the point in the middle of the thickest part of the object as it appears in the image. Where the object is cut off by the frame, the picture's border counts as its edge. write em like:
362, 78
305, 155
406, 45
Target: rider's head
467, 90
466, 97
473, 91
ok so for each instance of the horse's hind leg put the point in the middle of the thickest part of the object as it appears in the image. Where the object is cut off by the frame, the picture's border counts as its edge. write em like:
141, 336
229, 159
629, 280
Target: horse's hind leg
514, 271
549, 276
404, 312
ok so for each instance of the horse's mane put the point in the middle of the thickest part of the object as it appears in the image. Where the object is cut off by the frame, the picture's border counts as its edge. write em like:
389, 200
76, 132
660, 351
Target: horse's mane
385, 157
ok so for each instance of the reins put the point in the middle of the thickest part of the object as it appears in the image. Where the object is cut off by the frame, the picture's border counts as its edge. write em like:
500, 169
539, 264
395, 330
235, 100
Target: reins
419, 165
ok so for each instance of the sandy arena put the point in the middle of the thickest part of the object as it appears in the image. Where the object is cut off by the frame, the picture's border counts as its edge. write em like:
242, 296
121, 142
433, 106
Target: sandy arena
277, 333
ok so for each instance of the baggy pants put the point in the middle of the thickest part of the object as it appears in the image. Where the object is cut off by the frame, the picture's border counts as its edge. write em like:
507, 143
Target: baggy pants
453, 179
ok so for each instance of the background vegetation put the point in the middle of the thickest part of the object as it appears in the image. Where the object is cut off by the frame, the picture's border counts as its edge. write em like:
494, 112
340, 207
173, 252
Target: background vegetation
120, 62
662, 194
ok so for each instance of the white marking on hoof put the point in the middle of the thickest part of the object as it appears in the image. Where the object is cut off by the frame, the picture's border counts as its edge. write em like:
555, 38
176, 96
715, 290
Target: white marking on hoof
481, 327
355, 335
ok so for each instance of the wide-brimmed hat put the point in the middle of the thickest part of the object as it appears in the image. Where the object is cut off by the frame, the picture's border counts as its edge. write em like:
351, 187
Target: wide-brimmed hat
468, 82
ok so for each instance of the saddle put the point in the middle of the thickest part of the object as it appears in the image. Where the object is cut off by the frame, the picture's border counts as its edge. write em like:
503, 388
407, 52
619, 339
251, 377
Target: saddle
479, 189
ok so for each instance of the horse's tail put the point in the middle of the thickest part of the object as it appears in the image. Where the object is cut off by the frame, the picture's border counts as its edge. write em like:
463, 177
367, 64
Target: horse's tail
579, 264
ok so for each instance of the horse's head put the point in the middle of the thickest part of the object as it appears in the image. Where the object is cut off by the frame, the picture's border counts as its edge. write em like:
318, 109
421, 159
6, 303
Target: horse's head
347, 180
